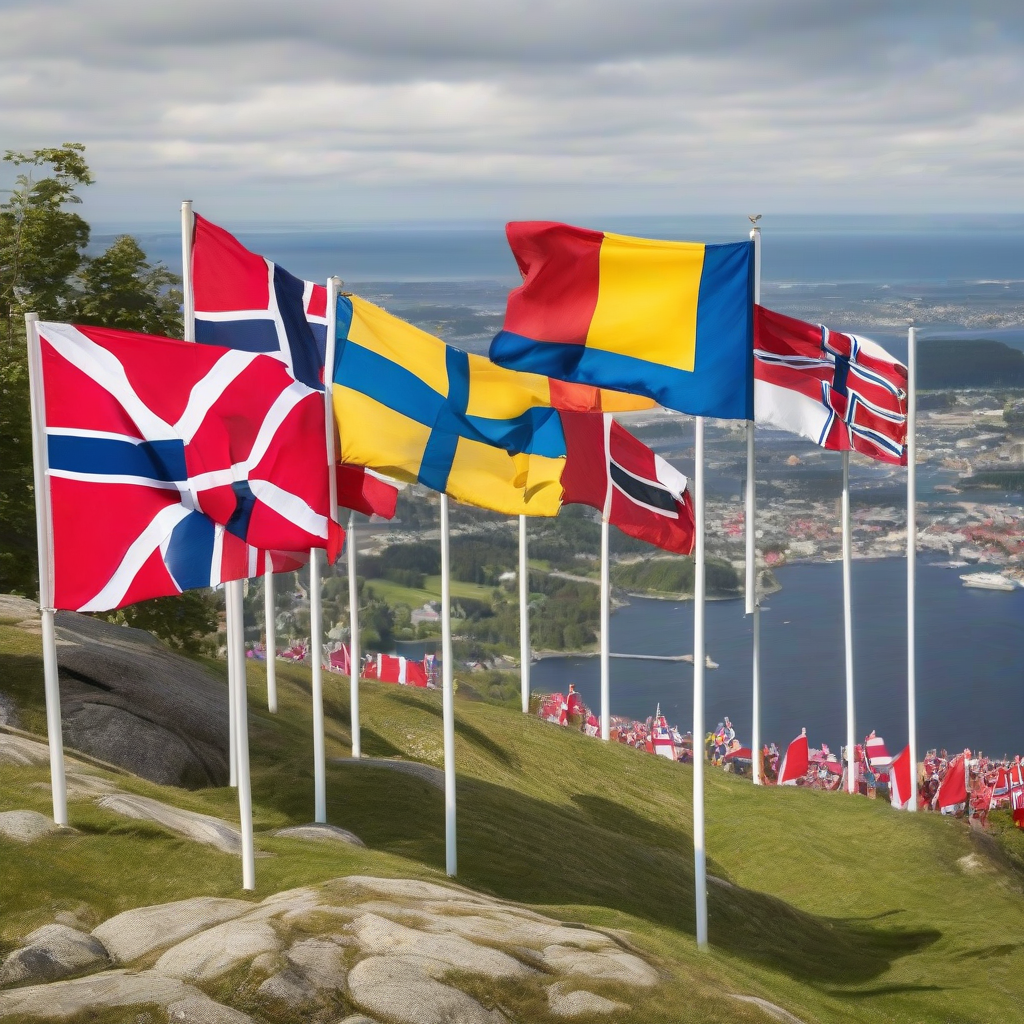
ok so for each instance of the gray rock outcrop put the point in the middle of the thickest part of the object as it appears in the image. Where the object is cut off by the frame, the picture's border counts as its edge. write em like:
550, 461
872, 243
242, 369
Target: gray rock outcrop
26, 826
137, 932
200, 828
394, 949
51, 952
319, 832
131, 702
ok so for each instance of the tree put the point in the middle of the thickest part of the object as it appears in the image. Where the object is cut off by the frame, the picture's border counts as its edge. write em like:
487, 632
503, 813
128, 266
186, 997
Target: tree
42, 244
44, 269
41, 247
184, 622
122, 290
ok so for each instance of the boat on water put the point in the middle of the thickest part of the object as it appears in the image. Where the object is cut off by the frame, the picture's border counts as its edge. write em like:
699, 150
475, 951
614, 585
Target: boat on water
988, 581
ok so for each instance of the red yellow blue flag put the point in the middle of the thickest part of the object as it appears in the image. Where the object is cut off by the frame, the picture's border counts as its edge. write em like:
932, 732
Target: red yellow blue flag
669, 320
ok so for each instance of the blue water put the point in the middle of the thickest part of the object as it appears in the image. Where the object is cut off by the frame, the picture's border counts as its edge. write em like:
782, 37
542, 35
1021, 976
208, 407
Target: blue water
970, 665
800, 250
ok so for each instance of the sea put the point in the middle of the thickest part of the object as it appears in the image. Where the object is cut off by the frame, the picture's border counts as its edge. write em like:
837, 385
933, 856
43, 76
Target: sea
953, 276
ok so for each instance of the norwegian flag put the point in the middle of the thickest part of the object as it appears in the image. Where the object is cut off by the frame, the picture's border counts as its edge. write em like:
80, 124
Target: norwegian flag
245, 301
173, 466
843, 392
634, 489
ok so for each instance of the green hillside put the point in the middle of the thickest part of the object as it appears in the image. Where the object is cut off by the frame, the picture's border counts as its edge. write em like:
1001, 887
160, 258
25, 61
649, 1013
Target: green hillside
837, 909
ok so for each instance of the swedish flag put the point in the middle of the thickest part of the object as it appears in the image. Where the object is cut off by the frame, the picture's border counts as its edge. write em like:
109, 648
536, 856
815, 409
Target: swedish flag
416, 409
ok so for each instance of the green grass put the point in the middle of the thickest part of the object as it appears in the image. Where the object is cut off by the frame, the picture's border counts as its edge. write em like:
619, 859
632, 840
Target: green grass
837, 908
415, 597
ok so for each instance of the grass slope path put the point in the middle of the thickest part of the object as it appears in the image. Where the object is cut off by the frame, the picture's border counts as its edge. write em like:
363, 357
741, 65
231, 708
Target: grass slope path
831, 909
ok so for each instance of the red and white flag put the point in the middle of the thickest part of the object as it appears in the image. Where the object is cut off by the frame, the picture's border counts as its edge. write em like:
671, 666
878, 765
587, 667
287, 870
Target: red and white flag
796, 761
841, 391
173, 466
244, 301
900, 780
953, 787
607, 468
389, 668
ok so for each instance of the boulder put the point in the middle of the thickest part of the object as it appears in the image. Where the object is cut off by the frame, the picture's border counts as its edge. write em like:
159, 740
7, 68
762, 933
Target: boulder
320, 961
773, 1011
21, 750
51, 952
27, 826
8, 711
200, 828
578, 1003
97, 991
128, 700
609, 965
199, 1008
136, 932
217, 950
402, 989
319, 832
379, 936
289, 987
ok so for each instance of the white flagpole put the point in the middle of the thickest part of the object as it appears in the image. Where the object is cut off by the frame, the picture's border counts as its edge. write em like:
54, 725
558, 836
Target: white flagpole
353, 643
753, 605
316, 654
234, 630
189, 304
851, 728
448, 695
232, 638
236, 653
524, 617
270, 628
44, 547
912, 560
605, 634
699, 852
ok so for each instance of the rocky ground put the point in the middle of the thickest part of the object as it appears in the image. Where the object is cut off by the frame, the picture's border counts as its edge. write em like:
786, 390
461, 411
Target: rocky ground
396, 949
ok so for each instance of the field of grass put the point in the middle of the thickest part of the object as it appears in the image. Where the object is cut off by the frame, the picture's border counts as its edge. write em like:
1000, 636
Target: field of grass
414, 597
839, 909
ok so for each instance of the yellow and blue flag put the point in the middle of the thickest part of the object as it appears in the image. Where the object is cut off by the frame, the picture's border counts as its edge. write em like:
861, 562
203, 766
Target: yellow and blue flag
410, 406
670, 320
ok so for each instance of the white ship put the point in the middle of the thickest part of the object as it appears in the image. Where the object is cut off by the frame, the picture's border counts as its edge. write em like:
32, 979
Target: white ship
988, 581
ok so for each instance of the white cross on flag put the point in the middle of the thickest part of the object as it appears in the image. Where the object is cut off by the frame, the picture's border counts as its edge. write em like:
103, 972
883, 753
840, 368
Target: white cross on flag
170, 464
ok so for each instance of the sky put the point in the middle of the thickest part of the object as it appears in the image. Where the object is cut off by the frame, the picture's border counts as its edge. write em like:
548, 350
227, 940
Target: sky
316, 111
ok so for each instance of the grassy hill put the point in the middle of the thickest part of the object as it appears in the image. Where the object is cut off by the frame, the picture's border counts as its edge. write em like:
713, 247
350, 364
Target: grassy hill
837, 909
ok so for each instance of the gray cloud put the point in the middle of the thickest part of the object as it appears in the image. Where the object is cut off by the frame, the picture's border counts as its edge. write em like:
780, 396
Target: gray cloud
458, 107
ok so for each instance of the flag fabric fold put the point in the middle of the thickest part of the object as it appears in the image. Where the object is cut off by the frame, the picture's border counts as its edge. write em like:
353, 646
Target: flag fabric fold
795, 762
635, 490
245, 301
669, 320
900, 780
953, 787
841, 391
418, 410
173, 465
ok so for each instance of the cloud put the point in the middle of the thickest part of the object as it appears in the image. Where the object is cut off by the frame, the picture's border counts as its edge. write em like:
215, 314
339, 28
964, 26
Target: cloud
455, 107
